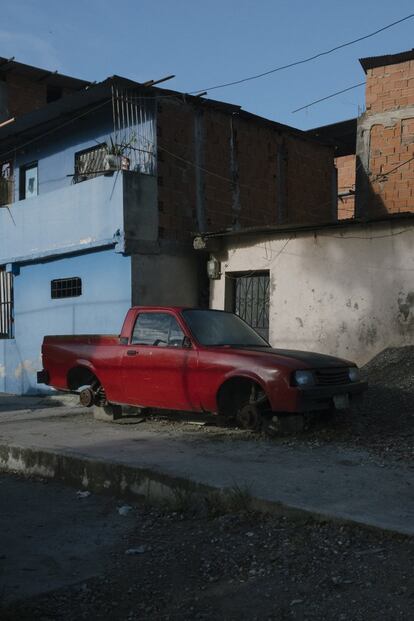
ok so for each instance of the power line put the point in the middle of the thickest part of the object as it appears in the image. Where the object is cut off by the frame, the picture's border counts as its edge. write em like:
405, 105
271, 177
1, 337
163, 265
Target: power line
54, 129
344, 90
304, 60
389, 172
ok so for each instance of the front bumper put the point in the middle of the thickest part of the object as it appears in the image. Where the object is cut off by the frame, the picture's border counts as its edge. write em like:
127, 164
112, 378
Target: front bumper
322, 397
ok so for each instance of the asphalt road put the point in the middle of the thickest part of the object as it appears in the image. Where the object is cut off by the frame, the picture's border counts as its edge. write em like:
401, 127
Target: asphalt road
69, 558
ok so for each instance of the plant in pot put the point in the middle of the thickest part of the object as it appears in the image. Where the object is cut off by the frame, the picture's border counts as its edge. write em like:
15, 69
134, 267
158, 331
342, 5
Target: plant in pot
117, 151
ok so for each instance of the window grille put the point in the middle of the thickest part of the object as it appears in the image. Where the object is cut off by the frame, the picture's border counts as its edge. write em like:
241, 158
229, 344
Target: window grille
66, 288
251, 300
6, 183
89, 163
6, 305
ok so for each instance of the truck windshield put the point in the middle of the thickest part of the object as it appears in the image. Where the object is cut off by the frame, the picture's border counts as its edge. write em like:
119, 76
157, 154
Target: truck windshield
212, 327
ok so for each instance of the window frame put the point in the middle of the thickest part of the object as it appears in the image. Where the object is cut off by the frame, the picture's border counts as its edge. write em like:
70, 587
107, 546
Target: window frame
172, 317
23, 169
66, 280
80, 177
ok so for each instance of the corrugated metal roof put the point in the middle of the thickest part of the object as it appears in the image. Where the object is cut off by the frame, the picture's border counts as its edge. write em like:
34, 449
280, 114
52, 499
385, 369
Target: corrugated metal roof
9, 65
341, 135
389, 59
305, 227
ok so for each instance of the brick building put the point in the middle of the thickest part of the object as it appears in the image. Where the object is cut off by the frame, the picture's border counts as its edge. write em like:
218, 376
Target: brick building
385, 137
220, 167
342, 136
373, 152
24, 88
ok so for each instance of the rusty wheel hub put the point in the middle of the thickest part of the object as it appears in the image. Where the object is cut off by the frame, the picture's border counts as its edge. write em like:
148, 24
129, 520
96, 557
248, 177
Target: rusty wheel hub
249, 417
87, 397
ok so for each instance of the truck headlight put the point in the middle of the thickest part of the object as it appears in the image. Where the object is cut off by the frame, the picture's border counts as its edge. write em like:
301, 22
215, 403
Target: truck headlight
354, 374
304, 378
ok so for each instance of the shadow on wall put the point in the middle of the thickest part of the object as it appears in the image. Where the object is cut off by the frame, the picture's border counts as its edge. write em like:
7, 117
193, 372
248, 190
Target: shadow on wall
368, 202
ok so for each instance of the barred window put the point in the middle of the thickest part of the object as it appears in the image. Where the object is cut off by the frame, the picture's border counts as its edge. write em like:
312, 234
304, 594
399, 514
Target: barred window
6, 183
89, 163
6, 304
66, 288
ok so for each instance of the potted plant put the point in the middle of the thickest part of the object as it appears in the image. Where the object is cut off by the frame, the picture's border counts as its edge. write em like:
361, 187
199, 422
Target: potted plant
117, 151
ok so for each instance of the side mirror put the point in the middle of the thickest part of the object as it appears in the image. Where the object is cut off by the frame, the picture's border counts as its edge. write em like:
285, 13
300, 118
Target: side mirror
187, 343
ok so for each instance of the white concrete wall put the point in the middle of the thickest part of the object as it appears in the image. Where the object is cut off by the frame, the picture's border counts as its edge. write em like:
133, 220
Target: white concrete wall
342, 291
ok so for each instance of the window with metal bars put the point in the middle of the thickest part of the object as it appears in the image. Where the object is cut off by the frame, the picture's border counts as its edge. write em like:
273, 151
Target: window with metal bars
250, 296
6, 305
66, 288
89, 163
6, 183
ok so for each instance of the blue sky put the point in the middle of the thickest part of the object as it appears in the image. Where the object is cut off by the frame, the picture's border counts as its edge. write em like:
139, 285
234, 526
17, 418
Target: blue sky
214, 41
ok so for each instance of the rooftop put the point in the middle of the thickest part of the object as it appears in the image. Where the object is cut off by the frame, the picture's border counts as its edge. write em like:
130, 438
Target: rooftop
341, 135
371, 62
10, 66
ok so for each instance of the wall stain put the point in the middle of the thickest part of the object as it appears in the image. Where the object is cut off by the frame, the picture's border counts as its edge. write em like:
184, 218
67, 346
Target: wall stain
300, 322
405, 305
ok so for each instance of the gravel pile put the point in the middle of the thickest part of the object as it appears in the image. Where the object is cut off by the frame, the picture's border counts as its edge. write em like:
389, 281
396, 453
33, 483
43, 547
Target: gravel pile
240, 566
385, 421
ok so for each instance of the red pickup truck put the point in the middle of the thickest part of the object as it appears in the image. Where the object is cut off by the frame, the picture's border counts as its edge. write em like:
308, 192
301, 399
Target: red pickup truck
196, 360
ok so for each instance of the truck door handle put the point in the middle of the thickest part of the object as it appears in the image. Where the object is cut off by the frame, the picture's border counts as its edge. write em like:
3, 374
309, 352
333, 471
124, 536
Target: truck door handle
131, 352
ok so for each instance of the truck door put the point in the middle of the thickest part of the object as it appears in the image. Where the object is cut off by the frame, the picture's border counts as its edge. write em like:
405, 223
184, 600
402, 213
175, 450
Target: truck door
157, 367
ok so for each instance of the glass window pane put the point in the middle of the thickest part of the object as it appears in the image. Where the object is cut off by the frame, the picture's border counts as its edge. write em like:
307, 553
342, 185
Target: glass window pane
176, 334
31, 182
151, 329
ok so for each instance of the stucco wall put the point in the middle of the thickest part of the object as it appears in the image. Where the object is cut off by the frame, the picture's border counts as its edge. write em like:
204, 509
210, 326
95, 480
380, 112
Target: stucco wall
106, 285
347, 291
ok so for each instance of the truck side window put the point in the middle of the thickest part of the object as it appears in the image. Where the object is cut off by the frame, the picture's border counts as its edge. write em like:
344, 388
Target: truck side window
157, 329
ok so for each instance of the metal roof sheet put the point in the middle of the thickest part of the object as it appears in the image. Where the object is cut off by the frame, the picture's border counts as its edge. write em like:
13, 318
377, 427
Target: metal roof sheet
371, 62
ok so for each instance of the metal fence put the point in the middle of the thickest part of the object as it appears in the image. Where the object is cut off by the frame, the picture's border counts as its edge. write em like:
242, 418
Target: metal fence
6, 305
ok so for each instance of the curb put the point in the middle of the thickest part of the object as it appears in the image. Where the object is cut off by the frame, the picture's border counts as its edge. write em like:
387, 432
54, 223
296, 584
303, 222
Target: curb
122, 480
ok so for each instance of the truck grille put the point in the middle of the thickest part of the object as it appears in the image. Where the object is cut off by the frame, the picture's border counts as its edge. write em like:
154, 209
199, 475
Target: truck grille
331, 377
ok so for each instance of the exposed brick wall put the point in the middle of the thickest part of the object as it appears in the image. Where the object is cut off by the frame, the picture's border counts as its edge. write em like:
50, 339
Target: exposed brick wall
242, 164
176, 178
346, 166
257, 149
217, 159
390, 147
390, 87
24, 95
389, 141
310, 191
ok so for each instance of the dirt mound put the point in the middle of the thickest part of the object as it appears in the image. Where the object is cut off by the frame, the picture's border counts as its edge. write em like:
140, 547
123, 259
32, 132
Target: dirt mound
393, 367
384, 422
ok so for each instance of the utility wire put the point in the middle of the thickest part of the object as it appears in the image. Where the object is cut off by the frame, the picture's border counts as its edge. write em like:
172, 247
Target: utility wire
328, 97
304, 60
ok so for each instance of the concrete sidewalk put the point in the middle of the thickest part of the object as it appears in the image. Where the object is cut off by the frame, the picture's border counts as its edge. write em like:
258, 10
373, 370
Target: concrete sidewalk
67, 443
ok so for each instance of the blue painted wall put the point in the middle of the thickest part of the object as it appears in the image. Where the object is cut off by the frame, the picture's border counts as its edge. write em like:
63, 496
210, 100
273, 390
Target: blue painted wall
106, 296
55, 154
72, 218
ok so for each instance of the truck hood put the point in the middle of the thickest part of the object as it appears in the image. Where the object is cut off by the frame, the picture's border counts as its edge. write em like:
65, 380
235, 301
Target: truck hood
307, 358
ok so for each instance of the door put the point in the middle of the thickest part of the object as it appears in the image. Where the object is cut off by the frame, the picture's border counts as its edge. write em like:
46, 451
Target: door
157, 367
251, 294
